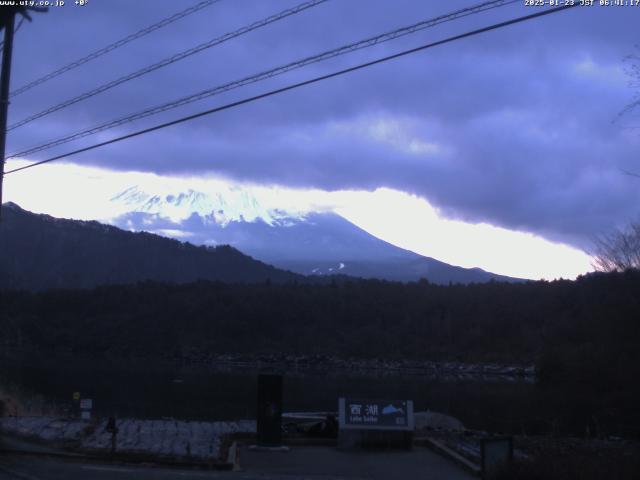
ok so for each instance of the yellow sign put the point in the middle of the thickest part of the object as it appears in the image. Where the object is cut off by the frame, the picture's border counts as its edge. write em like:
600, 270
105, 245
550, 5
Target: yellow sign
76, 396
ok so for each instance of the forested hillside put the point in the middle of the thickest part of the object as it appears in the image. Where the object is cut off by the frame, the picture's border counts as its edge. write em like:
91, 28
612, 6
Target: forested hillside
582, 335
594, 316
40, 251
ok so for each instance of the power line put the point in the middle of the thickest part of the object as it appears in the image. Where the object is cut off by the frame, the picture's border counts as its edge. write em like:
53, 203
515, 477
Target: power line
301, 84
109, 48
369, 42
270, 73
168, 61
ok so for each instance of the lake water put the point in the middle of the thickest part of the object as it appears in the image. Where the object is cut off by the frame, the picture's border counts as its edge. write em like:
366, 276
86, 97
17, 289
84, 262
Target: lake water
150, 391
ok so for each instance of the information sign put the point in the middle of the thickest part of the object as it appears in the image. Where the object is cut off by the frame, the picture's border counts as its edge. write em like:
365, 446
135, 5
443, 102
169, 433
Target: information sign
371, 414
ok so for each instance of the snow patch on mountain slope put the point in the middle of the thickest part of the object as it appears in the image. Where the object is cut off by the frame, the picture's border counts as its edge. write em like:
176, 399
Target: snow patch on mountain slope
226, 204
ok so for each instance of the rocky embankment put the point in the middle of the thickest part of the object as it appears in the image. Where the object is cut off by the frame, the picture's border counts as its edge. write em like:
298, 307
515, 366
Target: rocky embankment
302, 364
173, 439
325, 363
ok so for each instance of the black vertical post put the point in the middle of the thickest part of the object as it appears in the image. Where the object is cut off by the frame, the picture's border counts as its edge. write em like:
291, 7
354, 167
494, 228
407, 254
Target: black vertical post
5, 78
113, 429
269, 420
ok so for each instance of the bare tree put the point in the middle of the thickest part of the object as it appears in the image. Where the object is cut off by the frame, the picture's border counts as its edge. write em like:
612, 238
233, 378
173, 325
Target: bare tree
632, 69
618, 250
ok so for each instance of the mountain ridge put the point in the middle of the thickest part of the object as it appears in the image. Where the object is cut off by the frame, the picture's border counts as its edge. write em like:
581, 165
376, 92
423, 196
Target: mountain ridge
40, 252
306, 242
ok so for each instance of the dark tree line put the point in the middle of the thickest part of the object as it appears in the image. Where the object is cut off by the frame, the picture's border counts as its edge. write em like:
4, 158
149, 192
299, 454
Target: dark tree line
582, 335
483, 322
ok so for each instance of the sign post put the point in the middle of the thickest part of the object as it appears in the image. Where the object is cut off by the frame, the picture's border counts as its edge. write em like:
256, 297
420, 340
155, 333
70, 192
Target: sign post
496, 455
269, 418
75, 406
367, 422
113, 430
86, 404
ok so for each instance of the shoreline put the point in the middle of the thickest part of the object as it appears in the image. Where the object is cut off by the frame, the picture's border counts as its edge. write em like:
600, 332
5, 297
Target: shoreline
300, 365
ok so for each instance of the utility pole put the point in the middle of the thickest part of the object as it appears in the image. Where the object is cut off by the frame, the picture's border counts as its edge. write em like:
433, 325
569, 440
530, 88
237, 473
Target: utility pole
5, 79
7, 21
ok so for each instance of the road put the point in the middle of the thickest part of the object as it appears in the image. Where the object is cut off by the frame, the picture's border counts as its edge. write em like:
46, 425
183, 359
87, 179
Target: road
34, 468
315, 463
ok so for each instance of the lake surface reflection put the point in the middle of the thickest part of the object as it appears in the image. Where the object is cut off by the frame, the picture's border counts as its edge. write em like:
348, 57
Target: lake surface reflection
144, 390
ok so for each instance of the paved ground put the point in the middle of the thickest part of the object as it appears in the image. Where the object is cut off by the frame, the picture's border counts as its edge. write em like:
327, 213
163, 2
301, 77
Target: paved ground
314, 463
329, 463
30, 468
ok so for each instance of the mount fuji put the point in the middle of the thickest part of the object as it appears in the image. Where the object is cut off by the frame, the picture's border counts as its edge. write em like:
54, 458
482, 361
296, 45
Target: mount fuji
294, 238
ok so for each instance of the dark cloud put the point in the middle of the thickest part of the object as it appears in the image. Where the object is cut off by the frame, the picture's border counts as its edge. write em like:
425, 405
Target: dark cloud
514, 127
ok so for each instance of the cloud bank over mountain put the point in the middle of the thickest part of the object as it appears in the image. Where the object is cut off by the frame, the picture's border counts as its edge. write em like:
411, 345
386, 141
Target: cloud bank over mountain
256, 219
514, 128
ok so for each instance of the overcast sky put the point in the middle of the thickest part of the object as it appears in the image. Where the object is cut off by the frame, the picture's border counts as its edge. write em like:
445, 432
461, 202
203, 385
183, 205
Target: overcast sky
516, 128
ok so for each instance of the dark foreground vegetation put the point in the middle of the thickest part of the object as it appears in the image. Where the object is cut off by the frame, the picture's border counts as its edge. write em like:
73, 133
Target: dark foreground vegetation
583, 335
575, 459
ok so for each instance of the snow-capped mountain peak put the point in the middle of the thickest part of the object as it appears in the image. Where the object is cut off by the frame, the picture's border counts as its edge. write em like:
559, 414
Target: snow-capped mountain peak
231, 204
278, 229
